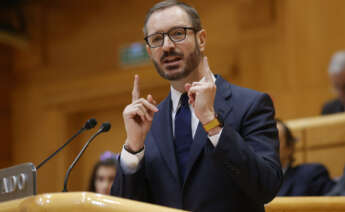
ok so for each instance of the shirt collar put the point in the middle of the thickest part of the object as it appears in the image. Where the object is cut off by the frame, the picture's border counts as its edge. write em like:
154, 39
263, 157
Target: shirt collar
284, 169
175, 98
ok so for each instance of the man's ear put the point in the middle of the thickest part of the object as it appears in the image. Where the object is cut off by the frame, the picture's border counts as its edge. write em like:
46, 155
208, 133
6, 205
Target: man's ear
201, 37
291, 150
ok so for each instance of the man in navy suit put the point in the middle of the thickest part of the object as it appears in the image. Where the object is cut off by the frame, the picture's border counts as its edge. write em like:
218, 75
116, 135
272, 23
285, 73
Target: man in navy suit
210, 145
310, 179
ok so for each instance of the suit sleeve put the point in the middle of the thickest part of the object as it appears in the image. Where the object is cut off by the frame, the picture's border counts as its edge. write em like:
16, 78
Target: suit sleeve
131, 186
320, 183
326, 109
250, 155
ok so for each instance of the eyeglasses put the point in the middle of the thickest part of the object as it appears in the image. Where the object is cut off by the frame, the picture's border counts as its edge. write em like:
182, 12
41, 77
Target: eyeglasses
175, 34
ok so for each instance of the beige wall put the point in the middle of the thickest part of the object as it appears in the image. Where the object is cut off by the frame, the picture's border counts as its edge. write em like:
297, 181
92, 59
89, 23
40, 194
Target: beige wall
70, 70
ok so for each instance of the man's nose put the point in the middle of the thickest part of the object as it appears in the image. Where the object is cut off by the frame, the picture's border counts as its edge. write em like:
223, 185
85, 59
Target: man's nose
168, 43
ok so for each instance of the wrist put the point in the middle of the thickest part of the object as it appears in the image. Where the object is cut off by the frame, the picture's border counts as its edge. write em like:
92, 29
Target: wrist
213, 126
134, 149
214, 131
208, 117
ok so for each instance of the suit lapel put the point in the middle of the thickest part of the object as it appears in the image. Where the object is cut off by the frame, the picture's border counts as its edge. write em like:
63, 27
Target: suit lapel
222, 107
163, 136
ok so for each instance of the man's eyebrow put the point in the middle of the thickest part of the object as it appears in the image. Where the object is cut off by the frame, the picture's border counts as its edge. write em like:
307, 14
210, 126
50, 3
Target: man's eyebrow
161, 31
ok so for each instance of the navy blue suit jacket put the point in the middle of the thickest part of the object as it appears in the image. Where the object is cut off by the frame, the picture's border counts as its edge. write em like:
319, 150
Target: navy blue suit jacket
241, 174
333, 106
306, 180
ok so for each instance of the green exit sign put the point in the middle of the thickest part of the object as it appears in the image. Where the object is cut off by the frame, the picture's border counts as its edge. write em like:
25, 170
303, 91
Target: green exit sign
134, 54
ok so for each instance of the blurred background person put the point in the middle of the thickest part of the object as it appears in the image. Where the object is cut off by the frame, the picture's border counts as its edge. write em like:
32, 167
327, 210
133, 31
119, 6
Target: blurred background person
339, 188
103, 174
336, 72
309, 179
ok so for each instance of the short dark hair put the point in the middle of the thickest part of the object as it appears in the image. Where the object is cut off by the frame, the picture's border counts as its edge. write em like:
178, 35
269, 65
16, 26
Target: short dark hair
192, 13
107, 163
290, 139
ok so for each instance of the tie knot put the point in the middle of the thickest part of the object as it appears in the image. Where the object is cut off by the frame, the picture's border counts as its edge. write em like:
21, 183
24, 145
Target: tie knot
184, 99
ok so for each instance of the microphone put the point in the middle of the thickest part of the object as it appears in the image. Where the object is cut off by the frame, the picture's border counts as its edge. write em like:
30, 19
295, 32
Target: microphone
104, 128
91, 123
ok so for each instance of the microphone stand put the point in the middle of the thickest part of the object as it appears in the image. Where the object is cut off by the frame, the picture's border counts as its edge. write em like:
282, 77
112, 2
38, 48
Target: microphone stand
104, 128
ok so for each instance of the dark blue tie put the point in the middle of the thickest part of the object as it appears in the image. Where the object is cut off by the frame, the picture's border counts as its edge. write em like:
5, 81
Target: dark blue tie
183, 135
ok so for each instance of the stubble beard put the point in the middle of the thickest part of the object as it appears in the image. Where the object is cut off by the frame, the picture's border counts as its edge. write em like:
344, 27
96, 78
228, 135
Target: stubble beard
192, 62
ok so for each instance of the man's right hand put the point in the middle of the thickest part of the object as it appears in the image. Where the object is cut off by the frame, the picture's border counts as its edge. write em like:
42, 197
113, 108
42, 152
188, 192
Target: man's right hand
138, 118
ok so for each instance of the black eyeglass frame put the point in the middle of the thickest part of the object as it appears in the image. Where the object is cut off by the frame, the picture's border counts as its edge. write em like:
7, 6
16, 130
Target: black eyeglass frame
168, 34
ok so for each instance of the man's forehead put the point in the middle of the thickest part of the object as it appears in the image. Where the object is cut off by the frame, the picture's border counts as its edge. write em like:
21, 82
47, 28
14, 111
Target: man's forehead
165, 19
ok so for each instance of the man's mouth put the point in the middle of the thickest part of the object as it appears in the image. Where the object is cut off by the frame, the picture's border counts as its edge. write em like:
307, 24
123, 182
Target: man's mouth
172, 61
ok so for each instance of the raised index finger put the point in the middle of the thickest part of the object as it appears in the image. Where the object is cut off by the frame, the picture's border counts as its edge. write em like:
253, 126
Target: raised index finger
135, 91
208, 73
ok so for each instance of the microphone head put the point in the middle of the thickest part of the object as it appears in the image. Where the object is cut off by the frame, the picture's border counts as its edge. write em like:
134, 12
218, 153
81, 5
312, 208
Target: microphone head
105, 127
91, 123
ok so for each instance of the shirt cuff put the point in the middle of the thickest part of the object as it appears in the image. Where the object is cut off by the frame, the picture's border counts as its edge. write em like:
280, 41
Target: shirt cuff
215, 138
130, 163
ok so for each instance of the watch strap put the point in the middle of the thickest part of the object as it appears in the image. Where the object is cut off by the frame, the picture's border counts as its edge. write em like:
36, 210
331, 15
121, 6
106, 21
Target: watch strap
212, 124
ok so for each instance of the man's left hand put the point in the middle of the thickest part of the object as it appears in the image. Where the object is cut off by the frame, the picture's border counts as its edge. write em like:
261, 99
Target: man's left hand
201, 95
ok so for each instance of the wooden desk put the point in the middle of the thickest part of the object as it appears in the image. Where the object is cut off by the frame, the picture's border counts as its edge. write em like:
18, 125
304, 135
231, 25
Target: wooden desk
79, 201
306, 204
321, 139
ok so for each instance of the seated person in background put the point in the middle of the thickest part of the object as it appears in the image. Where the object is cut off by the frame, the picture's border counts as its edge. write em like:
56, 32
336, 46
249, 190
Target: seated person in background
339, 188
336, 73
309, 179
103, 174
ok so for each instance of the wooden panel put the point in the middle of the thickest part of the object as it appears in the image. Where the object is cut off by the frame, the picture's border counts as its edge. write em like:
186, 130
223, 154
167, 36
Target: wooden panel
80, 201
324, 136
39, 132
306, 204
324, 141
5, 131
99, 48
332, 157
250, 17
290, 103
300, 157
317, 121
308, 25
321, 131
5, 106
